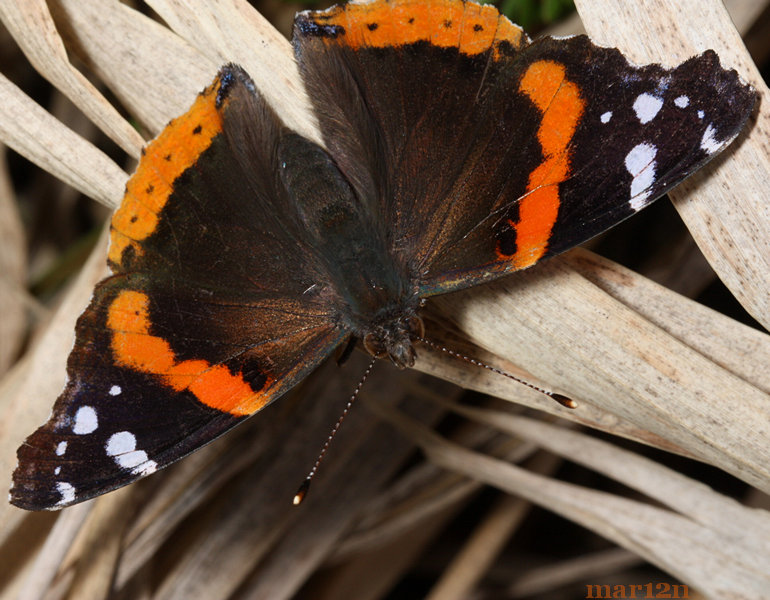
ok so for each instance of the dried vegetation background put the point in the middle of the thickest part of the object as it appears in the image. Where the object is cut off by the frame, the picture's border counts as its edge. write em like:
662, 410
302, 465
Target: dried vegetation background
661, 474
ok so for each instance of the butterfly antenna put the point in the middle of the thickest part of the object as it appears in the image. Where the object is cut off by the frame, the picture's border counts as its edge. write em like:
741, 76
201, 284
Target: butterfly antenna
303, 489
560, 398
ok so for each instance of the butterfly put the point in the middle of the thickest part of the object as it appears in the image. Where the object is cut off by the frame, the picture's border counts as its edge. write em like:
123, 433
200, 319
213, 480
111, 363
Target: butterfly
456, 151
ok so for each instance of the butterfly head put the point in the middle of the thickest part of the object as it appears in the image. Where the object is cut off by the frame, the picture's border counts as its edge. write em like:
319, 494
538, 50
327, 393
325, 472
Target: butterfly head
394, 338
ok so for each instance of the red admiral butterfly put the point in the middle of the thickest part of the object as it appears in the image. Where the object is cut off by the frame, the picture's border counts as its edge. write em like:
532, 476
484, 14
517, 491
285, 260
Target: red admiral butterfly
457, 151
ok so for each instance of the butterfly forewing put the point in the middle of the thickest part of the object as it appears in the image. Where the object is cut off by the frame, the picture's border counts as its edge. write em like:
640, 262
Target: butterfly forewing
493, 152
212, 312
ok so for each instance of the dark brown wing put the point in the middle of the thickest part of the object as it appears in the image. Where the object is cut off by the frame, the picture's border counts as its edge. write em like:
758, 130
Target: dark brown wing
216, 308
484, 153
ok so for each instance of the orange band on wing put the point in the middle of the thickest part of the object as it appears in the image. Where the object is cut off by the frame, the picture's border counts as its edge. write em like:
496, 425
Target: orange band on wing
471, 27
561, 106
176, 148
136, 348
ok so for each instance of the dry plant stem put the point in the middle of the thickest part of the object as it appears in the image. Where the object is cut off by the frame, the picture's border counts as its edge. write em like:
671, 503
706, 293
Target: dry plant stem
42, 139
51, 555
423, 492
738, 348
705, 559
652, 479
394, 559
597, 567
155, 73
487, 541
95, 554
31, 25
13, 269
725, 208
613, 358
230, 30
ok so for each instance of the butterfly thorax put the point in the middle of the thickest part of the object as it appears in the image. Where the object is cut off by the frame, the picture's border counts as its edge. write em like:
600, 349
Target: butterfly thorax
375, 290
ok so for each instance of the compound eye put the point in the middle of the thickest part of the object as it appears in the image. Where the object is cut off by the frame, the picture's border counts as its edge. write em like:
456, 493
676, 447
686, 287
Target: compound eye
415, 327
375, 346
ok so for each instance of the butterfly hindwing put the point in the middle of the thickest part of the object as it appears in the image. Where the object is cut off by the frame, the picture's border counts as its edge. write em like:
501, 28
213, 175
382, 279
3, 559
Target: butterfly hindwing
495, 152
200, 326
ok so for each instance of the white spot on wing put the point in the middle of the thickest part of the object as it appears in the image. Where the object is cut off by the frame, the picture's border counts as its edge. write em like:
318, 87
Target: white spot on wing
115, 390
605, 118
120, 443
122, 447
57, 470
61, 448
701, 114
129, 460
67, 492
640, 162
646, 106
147, 468
708, 142
85, 420
682, 101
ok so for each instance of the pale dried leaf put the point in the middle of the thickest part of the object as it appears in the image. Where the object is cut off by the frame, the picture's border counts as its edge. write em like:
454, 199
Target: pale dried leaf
42, 139
694, 553
231, 30
13, 270
154, 72
51, 555
606, 355
480, 550
591, 567
741, 349
725, 204
30, 23
682, 494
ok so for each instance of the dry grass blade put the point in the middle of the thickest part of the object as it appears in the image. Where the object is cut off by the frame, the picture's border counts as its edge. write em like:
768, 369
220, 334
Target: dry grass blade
231, 30
482, 548
695, 553
154, 72
93, 557
13, 270
682, 494
725, 208
607, 355
591, 567
742, 350
29, 21
41, 138
58, 543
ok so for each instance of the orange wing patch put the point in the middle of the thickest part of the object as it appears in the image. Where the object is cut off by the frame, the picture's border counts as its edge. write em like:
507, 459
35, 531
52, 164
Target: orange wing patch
468, 26
136, 348
176, 148
561, 106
